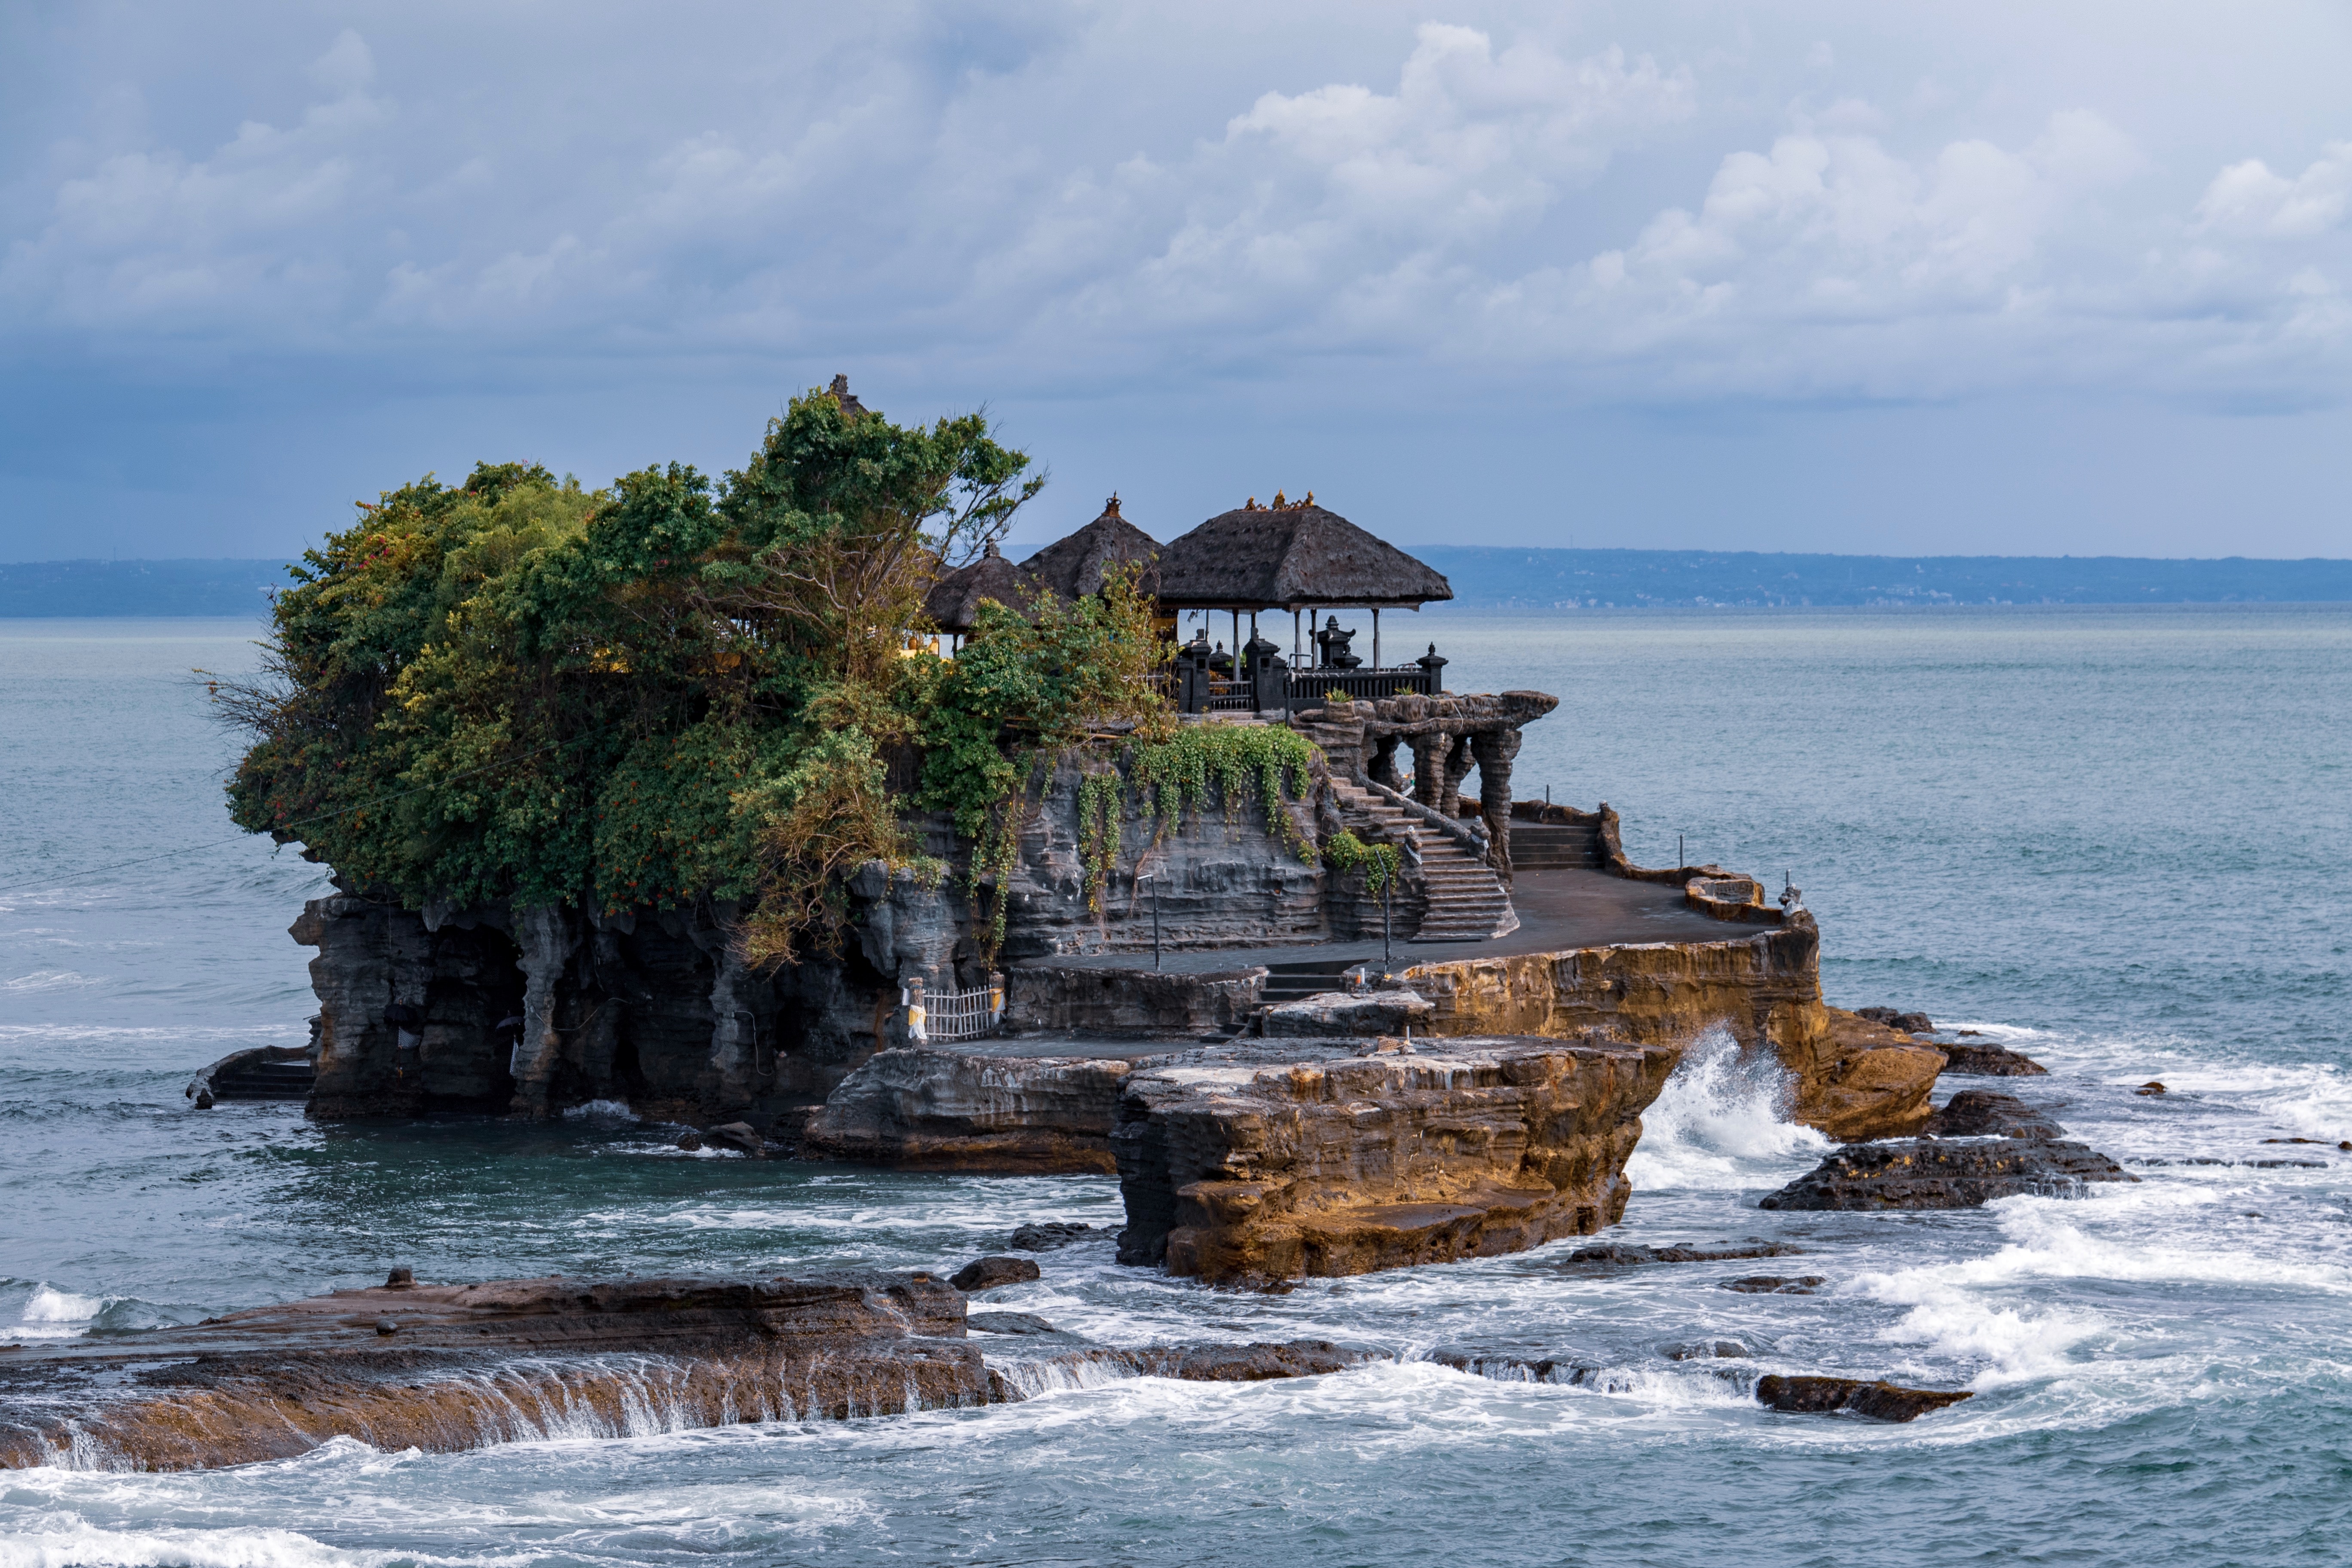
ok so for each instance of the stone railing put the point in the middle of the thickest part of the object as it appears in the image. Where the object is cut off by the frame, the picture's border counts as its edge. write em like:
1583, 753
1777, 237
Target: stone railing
1730, 898
1461, 830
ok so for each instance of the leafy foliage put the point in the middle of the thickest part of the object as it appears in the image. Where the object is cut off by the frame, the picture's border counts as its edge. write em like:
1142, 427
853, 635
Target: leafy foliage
666, 689
1180, 772
1379, 862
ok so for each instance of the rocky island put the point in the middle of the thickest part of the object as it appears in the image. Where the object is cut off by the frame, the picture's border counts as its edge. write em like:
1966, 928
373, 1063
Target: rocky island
788, 811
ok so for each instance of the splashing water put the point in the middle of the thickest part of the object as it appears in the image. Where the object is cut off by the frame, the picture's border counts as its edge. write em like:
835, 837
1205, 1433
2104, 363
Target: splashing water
1722, 1122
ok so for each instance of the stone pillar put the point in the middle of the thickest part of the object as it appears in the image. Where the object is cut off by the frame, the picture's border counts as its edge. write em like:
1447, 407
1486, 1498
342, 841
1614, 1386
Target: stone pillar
1382, 767
1494, 751
1428, 769
547, 938
1457, 768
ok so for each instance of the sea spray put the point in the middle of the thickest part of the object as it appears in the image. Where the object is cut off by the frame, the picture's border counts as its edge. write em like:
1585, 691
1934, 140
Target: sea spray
1722, 1122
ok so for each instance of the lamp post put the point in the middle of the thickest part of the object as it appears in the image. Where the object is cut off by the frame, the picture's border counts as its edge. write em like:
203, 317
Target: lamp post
1153, 877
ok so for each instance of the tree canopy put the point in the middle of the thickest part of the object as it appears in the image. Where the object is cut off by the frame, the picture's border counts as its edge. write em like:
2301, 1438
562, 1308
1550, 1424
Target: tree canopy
669, 688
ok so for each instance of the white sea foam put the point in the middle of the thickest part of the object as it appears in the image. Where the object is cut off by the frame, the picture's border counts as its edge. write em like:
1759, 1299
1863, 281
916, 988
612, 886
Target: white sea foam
49, 1305
1982, 1308
601, 1110
49, 980
1722, 1122
73, 1543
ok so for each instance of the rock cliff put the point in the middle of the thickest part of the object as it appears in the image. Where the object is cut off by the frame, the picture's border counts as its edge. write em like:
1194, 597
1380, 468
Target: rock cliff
655, 1008
922, 1109
1856, 1079
1268, 1160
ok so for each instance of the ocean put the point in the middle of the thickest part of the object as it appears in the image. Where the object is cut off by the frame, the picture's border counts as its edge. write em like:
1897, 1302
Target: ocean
2114, 839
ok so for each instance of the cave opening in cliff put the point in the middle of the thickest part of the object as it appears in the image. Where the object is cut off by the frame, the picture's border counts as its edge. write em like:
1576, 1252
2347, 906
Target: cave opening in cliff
477, 984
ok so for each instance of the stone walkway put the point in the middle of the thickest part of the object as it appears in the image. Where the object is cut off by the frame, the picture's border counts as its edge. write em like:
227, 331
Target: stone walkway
1557, 909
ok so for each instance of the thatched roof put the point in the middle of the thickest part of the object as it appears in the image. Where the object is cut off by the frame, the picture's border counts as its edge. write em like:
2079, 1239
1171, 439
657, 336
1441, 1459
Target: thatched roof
955, 598
1288, 557
1074, 567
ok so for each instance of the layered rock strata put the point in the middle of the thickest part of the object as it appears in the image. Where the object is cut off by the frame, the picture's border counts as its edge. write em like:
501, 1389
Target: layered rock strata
450, 1367
1855, 1078
944, 1109
533, 1009
446, 1368
1257, 1162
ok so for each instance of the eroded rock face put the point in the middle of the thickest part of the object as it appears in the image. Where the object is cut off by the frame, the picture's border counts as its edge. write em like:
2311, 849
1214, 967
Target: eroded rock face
1261, 1162
1856, 1079
1137, 1002
1930, 1173
462, 1366
1337, 1015
936, 1109
450, 1367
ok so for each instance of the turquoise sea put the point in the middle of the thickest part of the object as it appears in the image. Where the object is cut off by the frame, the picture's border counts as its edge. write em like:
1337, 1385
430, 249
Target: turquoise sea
2117, 840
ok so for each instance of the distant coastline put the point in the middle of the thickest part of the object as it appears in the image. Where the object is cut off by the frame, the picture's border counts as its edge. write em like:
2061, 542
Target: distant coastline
1498, 578
1484, 577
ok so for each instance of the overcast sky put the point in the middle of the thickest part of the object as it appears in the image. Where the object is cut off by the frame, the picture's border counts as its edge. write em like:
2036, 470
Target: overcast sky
1920, 278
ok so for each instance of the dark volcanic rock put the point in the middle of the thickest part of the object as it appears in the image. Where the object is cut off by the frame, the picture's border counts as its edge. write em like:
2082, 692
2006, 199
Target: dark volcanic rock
1629, 1255
1047, 1236
1985, 1113
737, 1135
1007, 1323
988, 1273
1775, 1284
1909, 1023
1879, 1400
2150, 1088
1707, 1350
1974, 1061
1923, 1173
465, 1365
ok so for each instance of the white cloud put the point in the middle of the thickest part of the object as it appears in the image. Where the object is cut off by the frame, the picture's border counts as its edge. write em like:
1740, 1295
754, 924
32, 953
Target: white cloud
1650, 224
2247, 199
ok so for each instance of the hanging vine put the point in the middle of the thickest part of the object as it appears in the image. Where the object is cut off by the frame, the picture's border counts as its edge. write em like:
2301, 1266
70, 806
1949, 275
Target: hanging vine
1230, 760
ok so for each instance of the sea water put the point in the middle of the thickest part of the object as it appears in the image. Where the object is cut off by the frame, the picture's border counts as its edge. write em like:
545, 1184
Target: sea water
2114, 839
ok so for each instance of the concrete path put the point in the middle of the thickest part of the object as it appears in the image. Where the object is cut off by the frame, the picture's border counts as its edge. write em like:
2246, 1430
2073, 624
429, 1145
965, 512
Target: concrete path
1557, 909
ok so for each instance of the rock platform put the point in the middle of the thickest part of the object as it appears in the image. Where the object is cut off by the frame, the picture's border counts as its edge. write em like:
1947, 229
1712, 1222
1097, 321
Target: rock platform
449, 1367
1932, 1174
1264, 1161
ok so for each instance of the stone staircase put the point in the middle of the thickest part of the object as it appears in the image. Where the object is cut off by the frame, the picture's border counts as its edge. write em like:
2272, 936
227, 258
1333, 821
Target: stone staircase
1553, 847
1466, 901
1296, 982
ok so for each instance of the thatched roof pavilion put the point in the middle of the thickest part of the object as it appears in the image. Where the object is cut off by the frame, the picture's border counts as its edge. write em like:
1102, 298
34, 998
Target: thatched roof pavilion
1290, 557
1074, 567
1294, 556
954, 600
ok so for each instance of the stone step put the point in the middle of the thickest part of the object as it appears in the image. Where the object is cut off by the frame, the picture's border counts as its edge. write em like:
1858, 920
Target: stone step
1466, 901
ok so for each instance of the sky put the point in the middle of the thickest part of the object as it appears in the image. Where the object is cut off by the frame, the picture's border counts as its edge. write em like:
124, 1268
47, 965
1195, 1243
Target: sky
1927, 279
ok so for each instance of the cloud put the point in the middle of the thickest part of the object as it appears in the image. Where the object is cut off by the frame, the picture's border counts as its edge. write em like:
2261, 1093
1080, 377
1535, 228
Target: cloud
2246, 199
1098, 199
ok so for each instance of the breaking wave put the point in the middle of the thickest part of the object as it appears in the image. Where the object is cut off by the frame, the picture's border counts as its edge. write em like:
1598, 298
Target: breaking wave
1722, 1122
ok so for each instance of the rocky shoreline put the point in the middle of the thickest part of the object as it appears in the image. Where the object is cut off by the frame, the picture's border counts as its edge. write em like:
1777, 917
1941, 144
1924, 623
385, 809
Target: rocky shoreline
446, 1368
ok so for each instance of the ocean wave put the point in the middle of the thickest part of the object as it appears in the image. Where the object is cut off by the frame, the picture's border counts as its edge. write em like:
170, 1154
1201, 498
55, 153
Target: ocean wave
1722, 1122
70, 1543
51, 980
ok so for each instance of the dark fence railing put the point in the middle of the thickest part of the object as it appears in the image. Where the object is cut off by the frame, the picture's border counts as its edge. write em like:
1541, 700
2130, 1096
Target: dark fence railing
1268, 685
